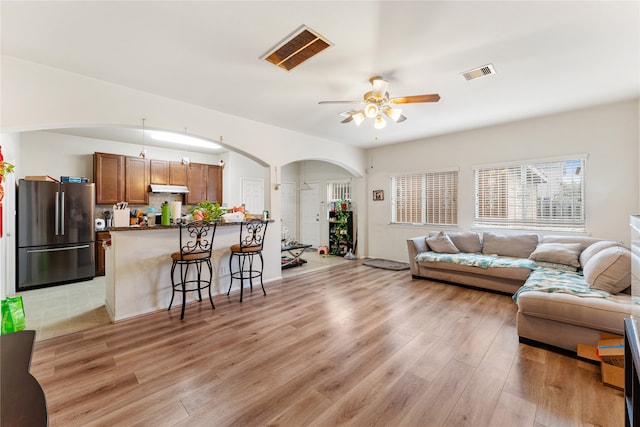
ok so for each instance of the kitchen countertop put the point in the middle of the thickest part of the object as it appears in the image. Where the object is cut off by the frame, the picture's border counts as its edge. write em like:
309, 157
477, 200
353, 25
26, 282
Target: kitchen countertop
164, 227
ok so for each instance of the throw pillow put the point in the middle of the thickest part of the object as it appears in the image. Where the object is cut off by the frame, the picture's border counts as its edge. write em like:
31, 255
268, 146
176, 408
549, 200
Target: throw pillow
594, 248
559, 253
609, 270
513, 245
442, 243
466, 241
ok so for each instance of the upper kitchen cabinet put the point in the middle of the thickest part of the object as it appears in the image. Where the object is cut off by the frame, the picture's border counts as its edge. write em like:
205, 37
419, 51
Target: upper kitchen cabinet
108, 175
177, 173
214, 184
136, 180
197, 183
159, 172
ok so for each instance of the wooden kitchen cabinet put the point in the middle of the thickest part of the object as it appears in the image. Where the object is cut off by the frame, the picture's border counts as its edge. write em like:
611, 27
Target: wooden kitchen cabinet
158, 172
136, 180
108, 175
100, 262
197, 183
214, 184
177, 173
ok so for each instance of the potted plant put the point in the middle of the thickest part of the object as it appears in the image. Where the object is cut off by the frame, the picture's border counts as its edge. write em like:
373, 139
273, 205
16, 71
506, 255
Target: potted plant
207, 211
343, 205
340, 230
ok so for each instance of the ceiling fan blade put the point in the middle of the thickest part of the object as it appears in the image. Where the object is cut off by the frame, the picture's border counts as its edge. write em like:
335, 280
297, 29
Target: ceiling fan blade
339, 102
348, 119
434, 97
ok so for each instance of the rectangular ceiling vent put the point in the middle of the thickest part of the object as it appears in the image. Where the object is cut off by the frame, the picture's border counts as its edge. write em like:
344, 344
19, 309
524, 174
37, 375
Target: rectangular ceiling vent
302, 44
476, 73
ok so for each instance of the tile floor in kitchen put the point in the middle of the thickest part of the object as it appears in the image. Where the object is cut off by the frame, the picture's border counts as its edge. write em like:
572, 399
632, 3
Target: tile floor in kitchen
61, 310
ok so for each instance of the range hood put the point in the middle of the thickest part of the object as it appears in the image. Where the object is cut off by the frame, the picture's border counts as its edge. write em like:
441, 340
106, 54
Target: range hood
156, 188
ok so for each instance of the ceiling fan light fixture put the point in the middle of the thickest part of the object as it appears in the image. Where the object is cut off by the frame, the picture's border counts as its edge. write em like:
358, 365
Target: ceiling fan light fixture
371, 110
358, 117
394, 113
380, 123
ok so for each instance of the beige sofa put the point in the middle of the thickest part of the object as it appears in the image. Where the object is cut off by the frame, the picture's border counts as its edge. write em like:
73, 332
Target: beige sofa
598, 271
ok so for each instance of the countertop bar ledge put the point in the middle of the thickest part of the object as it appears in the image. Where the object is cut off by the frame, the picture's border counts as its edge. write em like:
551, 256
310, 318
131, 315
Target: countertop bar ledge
138, 267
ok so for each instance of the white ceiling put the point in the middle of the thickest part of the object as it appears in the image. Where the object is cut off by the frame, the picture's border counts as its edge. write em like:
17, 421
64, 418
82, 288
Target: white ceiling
550, 56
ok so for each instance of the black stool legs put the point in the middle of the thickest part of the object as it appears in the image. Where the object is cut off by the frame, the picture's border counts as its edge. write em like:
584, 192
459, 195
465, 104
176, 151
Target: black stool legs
242, 274
182, 285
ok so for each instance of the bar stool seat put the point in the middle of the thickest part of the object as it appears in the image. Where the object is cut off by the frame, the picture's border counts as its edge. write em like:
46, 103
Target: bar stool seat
251, 242
196, 243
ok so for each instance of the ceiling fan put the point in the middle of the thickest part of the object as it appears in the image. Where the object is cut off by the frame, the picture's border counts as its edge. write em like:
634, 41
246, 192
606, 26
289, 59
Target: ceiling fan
376, 102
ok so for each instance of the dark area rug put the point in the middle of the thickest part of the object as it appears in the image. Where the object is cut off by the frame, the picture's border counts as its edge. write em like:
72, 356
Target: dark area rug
386, 264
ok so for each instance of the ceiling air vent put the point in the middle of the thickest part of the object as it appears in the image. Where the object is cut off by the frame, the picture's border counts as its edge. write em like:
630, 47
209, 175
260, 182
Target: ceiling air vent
485, 70
302, 44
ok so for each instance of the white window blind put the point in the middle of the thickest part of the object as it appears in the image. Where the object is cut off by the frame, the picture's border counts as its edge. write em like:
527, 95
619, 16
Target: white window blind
428, 198
531, 195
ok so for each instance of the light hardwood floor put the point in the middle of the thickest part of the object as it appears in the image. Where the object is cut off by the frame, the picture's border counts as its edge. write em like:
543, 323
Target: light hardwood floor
347, 345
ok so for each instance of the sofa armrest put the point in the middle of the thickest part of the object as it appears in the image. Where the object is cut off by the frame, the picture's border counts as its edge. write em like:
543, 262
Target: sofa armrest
416, 245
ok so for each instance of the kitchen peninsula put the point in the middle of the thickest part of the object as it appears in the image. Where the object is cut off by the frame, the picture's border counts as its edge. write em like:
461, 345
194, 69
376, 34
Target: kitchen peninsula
138, 267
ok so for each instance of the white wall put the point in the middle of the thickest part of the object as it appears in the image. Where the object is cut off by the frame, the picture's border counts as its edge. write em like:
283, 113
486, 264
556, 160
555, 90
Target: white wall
11, 154
237, 168
608, 134
37, 97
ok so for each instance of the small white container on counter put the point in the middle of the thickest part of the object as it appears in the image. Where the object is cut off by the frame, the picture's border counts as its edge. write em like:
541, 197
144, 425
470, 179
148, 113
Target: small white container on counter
121, 217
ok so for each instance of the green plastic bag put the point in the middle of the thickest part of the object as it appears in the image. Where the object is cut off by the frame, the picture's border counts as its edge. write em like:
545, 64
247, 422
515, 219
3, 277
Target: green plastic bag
12, 315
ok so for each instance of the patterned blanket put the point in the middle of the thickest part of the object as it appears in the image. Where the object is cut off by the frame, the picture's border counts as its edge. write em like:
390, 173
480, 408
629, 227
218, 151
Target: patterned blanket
551, 280
541, 279
476, 260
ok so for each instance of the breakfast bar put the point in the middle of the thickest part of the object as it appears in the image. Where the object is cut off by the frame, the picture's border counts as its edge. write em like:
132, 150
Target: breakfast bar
138, 266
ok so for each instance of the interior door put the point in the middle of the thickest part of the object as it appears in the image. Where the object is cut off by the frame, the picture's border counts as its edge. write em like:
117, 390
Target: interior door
310, 211
253, 195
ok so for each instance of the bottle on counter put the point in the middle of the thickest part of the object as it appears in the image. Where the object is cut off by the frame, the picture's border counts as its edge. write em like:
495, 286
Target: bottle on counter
165, 216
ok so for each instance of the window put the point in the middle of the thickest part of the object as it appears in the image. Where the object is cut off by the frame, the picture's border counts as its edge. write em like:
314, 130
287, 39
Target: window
338, 190
537, 195
428, 198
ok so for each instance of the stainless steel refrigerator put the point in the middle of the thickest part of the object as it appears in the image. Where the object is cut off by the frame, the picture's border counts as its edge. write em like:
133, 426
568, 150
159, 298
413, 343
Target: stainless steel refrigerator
56, 237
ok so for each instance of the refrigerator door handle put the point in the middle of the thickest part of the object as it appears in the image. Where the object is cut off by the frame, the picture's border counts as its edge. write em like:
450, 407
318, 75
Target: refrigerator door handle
57, 214
62, 212
66, 248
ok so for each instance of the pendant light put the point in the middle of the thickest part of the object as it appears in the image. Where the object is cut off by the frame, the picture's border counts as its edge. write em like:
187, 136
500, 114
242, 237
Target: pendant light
305, 185
143, 152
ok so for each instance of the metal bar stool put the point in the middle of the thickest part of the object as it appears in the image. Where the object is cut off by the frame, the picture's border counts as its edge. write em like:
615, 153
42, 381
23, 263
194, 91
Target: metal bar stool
251, 241
196, 242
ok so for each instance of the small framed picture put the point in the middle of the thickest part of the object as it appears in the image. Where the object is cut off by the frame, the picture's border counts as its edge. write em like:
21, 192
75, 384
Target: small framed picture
378, 195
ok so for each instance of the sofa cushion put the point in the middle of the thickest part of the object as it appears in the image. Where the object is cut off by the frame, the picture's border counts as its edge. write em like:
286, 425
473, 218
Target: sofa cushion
511, 273
514, 245
609, 270
584, 241
559, 253
594, 248
466, 241
441, 243
603, 314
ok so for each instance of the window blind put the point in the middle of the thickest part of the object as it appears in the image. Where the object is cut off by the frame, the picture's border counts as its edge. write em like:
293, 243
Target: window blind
531, 195
428, 198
